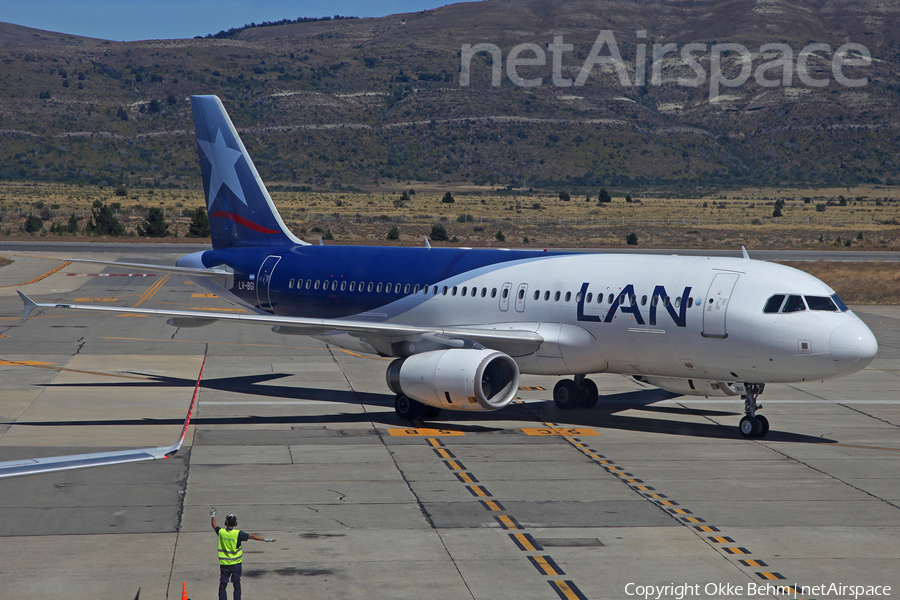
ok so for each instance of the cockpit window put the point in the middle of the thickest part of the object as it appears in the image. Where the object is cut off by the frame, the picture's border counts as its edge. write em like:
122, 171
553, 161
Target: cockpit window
794, 304
840, 304
820, 303
774, 303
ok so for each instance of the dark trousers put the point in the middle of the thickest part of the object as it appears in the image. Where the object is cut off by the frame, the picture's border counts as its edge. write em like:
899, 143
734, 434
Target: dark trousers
232, 572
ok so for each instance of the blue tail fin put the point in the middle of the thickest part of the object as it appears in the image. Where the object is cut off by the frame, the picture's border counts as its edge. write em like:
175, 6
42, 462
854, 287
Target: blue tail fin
241, 213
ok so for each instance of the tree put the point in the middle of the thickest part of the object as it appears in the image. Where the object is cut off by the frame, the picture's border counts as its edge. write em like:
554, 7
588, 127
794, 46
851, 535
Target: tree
199, 224
564, 196
154, 225
439, 233
448, 198
122, 114
104, 222
33, 224
499, 235
404, 197
604, 196
394, 233
631, 239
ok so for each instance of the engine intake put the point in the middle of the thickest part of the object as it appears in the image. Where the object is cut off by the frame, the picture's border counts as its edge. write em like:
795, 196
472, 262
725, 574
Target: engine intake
456, 379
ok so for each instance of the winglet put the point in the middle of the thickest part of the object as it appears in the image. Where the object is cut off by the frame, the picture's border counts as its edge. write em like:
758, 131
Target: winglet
744, 252
427, 243
30, 305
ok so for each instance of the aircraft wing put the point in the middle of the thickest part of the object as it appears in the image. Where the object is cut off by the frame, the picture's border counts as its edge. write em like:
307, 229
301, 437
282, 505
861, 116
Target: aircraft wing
521, 340
32, 466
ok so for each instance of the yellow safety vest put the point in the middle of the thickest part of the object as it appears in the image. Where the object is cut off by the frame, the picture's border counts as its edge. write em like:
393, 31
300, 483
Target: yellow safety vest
229, 551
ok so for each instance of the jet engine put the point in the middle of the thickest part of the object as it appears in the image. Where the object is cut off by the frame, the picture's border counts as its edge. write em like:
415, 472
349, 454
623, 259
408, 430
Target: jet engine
694, 387
456, 379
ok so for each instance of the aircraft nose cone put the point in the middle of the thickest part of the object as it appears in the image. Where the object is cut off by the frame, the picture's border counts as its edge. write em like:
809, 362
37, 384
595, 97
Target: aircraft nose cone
853, 347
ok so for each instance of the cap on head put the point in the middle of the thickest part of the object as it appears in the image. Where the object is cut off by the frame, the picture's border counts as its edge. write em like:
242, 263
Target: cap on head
230, 521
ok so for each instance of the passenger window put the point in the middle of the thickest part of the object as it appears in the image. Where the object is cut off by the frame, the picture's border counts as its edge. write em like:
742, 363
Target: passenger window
435, 291
546, 295
654, 301
308, 283
352, 285
334, 285
474, 292
537, 294
568, 296
578, 297
610, 299
773, 304
590, 297
666, 301
316, 286
464, 291
556, 297
643, 300
632, 299
444, 291
453, 292
506, 292
690, 302
369, 287
677, 301
521, 294
820, 303
387, 289
416, 289
794, 304
378, 287
406, 288
290, 284
343, 285
621, 298
483, 292
494, 293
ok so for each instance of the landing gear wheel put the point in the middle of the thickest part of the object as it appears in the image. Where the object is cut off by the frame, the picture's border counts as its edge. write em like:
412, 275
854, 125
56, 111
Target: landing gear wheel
407, 408
565, 394
430, 412
588, 394
749, 427
753, 425
763, 426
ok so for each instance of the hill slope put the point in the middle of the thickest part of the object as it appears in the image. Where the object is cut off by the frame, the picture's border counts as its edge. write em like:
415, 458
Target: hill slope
361, 100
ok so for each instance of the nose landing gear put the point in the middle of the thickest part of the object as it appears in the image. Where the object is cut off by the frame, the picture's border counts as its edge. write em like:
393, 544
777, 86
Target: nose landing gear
753, 425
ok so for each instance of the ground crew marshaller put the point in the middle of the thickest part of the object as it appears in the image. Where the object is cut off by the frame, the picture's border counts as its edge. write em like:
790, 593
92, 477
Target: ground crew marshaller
231, 555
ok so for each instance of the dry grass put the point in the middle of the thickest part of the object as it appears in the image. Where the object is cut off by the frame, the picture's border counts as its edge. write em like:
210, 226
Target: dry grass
857, 282
732, 219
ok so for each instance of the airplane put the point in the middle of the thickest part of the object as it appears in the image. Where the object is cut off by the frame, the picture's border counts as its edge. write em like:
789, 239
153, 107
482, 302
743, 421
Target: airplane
463, 323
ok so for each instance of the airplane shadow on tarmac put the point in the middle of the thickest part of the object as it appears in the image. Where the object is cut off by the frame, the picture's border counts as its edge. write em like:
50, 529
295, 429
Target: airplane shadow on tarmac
604, 415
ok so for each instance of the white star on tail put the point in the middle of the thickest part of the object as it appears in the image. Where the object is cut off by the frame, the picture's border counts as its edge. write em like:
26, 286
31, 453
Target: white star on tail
222, 160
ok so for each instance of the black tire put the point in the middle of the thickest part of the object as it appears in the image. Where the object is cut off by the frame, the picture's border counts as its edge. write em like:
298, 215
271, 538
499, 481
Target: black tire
749, 426
407, 408
565, 394
763, 426
589, 394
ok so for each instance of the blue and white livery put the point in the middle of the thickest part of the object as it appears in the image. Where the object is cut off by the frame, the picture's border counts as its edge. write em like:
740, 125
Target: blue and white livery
464, 323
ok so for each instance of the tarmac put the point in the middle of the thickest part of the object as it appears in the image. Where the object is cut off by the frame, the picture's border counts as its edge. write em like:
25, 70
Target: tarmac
645, 495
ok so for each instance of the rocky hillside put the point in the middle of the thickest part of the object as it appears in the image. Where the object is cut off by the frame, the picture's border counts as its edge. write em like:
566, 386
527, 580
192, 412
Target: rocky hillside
359, 101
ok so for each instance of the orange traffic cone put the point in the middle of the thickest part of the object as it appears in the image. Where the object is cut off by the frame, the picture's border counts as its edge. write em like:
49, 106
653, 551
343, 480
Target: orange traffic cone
184, 591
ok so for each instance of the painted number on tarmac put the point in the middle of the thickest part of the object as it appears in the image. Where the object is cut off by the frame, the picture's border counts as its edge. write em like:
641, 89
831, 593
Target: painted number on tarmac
424, 432
558, 431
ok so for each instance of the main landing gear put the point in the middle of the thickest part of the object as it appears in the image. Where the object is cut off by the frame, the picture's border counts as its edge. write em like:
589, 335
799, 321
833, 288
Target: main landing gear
409, 409
753, 425
577, 393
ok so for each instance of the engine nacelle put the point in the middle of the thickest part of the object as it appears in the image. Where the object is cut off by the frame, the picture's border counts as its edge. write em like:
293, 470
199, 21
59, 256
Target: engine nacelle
456, 379
694, 387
